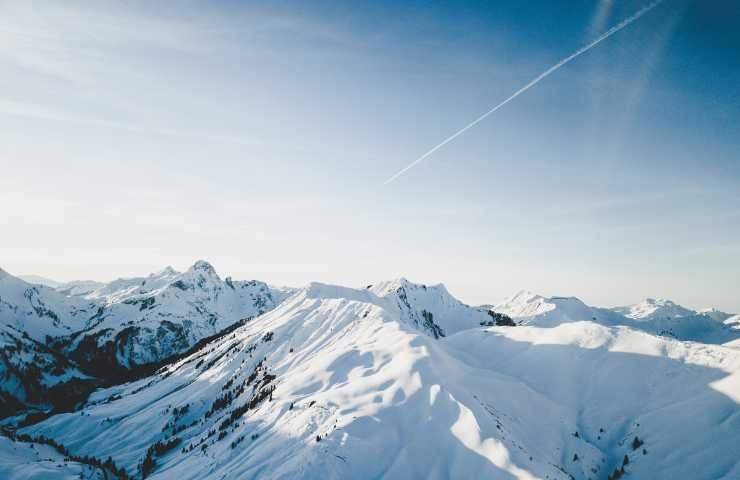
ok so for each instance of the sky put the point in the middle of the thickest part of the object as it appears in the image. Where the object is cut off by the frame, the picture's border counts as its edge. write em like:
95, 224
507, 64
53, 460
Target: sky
258, 136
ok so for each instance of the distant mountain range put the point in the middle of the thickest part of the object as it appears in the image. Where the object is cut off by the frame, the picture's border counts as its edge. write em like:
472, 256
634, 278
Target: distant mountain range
187, 375
56, 344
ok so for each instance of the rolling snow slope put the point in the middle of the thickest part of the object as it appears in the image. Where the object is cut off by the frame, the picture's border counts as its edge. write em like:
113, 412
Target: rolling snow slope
658, 317
24, 461
652, 308
344, 383
528, 308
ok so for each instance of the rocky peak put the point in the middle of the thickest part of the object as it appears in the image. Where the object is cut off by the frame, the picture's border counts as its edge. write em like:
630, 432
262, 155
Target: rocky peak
204, 267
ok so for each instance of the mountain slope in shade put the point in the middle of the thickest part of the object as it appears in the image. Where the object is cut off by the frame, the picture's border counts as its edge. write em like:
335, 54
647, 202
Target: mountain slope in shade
32, 372
146, 320
57, 343
665, 317
39, 311
715, 314
342, 383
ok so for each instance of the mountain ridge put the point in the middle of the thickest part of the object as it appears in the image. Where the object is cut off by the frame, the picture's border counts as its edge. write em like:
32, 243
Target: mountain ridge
338, 382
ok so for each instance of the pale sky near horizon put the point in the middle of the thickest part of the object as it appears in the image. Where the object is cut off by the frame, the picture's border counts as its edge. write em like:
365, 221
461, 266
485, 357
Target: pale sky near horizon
135, 135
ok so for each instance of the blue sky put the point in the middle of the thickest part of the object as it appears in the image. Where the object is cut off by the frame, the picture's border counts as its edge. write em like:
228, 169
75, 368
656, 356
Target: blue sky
139, 134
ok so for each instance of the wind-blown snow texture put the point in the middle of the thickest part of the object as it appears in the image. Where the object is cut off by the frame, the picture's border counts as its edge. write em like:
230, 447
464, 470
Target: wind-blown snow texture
338, 382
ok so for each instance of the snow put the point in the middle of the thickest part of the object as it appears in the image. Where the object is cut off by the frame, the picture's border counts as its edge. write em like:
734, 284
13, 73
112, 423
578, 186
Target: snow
25, 461
195, 304
528, 308
142, 320
39, 280
448, 313
390, 380
656, 316
385, 398
652, 308
38, 310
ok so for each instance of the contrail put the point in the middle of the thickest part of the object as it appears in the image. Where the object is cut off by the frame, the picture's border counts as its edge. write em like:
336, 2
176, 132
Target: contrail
635, 16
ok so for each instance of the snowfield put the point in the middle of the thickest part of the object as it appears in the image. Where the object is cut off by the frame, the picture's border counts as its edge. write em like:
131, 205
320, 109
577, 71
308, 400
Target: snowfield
27, 461
337, 382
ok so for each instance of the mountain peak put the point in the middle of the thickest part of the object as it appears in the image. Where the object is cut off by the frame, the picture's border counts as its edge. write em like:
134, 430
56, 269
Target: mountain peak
168, 270
202, 266
654, 307
386, 287
525, 296
658, 301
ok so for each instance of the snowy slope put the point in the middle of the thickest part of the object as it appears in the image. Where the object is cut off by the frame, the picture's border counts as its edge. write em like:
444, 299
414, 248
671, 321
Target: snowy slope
55, 341
343, 383
430, 308
26, 461
31, 371
145, 320
527, 308
664, 317
652, 308
659, 317
39, 280
40, 311
715, 314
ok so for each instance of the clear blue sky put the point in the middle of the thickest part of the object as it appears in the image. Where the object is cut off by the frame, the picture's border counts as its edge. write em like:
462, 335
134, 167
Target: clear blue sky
139, 134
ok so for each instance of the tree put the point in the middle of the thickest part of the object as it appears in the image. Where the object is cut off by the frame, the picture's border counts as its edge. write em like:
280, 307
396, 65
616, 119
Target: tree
499, 319
147, 466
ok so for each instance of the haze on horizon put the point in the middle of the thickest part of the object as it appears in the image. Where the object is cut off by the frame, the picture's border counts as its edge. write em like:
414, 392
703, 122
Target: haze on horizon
135, 136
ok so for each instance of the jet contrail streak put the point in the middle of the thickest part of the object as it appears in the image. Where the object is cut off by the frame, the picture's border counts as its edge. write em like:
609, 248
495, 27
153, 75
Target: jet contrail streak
531, 84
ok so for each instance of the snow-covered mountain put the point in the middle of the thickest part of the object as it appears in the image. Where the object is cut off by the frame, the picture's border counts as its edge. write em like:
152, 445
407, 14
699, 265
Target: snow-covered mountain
393, 380
652, 308
528, 308
664, 317
338, 382
32, 372
34, 461
430, 308
715, 314
57, 343
39, 280
656, 316
146, 320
